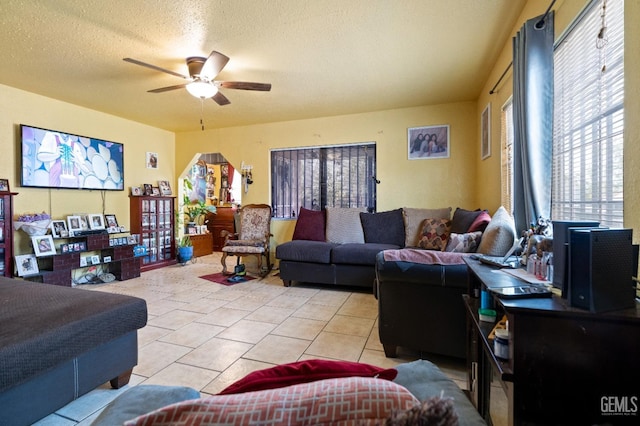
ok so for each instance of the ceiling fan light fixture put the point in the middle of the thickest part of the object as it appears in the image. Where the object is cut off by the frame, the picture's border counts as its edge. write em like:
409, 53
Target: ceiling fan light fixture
201, 89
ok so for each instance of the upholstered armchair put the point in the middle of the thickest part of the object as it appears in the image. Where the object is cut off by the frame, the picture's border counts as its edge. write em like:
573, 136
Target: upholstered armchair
251, 238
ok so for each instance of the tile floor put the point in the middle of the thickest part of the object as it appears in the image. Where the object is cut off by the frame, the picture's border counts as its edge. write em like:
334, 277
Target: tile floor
207, 335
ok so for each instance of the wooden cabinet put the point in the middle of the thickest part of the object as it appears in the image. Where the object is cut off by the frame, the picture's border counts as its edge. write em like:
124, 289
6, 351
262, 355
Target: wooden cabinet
153, 218
6, 233
223, 219
202, 244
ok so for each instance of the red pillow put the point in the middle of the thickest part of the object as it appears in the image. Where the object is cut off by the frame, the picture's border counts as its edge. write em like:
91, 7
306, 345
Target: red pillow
480, 222
310, 225
305, 372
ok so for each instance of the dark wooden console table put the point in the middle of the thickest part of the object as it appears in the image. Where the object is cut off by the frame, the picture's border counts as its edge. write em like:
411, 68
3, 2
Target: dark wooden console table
566, 366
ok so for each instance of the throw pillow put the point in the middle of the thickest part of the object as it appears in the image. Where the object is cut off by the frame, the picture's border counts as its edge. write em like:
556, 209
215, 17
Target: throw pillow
303, 372
384, 227
344, 226
462, 220
500, 234
463, 243
310, 225
435, 233
413, 218
351, 400
480, 223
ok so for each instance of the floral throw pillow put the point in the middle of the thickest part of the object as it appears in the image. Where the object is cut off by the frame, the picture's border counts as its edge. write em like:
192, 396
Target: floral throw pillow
435, 233
464, 243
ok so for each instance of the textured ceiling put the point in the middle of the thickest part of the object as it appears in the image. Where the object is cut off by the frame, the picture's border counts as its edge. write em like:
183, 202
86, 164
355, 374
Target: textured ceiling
323, 57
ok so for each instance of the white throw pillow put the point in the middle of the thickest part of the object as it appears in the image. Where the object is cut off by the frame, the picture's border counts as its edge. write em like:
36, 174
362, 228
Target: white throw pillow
344, 226
500, 234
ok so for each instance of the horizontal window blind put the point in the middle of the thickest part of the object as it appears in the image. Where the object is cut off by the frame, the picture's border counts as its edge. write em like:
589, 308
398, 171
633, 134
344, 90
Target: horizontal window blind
506, 159
319, 177
589, 118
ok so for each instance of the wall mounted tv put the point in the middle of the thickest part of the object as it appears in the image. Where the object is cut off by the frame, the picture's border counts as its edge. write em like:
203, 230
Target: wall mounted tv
53, 159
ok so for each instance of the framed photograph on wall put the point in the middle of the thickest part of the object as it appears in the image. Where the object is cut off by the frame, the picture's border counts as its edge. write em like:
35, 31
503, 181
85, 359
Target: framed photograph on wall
152, 160
428, 142
43, 245
485, 132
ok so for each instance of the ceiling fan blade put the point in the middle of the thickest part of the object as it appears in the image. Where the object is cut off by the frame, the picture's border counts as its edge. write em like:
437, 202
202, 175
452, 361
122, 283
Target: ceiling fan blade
213, 65
154, 67
221, 99
244, 85
168, 88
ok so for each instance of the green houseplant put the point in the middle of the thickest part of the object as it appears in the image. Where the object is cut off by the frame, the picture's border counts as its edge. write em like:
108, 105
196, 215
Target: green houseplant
185, 249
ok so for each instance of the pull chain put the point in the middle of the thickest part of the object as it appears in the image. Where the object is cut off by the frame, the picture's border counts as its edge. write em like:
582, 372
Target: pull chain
202, 114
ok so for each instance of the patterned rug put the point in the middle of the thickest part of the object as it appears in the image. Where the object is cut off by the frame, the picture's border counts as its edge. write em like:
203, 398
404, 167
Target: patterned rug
222, 279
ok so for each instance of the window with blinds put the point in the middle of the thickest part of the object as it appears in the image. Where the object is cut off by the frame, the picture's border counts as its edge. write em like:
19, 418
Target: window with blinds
588, 117
315, 178
506, 159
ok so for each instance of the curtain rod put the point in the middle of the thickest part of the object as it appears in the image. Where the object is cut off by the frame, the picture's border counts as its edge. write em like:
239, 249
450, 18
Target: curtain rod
539, 25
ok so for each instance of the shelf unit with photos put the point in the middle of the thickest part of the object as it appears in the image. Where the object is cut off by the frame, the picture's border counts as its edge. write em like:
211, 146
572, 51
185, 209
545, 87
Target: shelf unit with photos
153, 217
59, 269
6, 233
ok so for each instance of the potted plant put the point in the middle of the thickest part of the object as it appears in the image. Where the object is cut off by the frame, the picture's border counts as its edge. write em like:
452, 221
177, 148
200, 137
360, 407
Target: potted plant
185, 249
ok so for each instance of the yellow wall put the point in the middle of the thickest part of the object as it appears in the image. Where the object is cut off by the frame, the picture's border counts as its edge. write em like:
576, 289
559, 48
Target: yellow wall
404, 182
20, 107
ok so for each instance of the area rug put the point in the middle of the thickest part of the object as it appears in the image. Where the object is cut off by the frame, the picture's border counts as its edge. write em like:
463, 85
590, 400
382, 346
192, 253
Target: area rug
220, 278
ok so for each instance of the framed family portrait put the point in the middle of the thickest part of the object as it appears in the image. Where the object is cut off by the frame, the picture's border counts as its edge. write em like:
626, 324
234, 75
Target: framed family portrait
96, 221
485, 132
165, 187
59, 229
428, 142
43, 245
27, 264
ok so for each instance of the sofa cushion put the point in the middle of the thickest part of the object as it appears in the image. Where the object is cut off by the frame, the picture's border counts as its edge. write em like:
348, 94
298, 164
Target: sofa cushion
344, 226
305, 251
435, 233
349, 400
413, 218
384, 227
480, 222
500, 234
304, 372
464, 243
310, 225
462, 220
358, 254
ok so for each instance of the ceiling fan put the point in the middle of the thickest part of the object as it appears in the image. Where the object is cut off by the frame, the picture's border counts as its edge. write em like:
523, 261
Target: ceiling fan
200, 82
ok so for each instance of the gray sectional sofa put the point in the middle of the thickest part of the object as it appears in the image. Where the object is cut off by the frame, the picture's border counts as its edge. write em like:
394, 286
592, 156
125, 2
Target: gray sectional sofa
411, 258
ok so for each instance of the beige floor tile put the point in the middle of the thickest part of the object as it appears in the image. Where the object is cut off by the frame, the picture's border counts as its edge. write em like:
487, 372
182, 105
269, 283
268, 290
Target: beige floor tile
353, 326
150, 334
189, 295
277, 350
156, 356
337, 346
204, 305
245, 303
175, 319
192, 335
329, 298
216, 354
300, 328
178, 374
236, 371
224, 316
161, 307
360, 305
247, 331
316, 312
270, 314
288, 301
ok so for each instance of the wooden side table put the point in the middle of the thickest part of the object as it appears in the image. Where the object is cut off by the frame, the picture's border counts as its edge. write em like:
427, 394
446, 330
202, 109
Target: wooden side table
202, 244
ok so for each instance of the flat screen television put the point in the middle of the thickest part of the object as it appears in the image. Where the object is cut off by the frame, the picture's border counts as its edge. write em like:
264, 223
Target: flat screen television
53, 159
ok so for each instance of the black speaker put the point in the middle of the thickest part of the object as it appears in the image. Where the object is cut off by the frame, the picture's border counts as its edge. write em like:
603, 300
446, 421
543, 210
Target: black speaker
600, 269
560, 250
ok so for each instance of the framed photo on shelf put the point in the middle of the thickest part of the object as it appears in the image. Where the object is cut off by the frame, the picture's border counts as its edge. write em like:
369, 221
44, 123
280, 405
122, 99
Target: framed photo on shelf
27, 264
428, 142
95, 259
43, 245
136, 191
83, 261
148, 189
4, 185
96, 221
165, 187
155, 191
75, 224
59, 229
111, 221
485, 134
106, 259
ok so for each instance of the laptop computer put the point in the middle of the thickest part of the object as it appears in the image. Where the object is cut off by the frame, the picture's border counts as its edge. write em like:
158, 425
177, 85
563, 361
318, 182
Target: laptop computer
503, 261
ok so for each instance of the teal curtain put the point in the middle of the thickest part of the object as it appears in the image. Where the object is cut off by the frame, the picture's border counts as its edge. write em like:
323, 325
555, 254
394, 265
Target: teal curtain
533, 120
